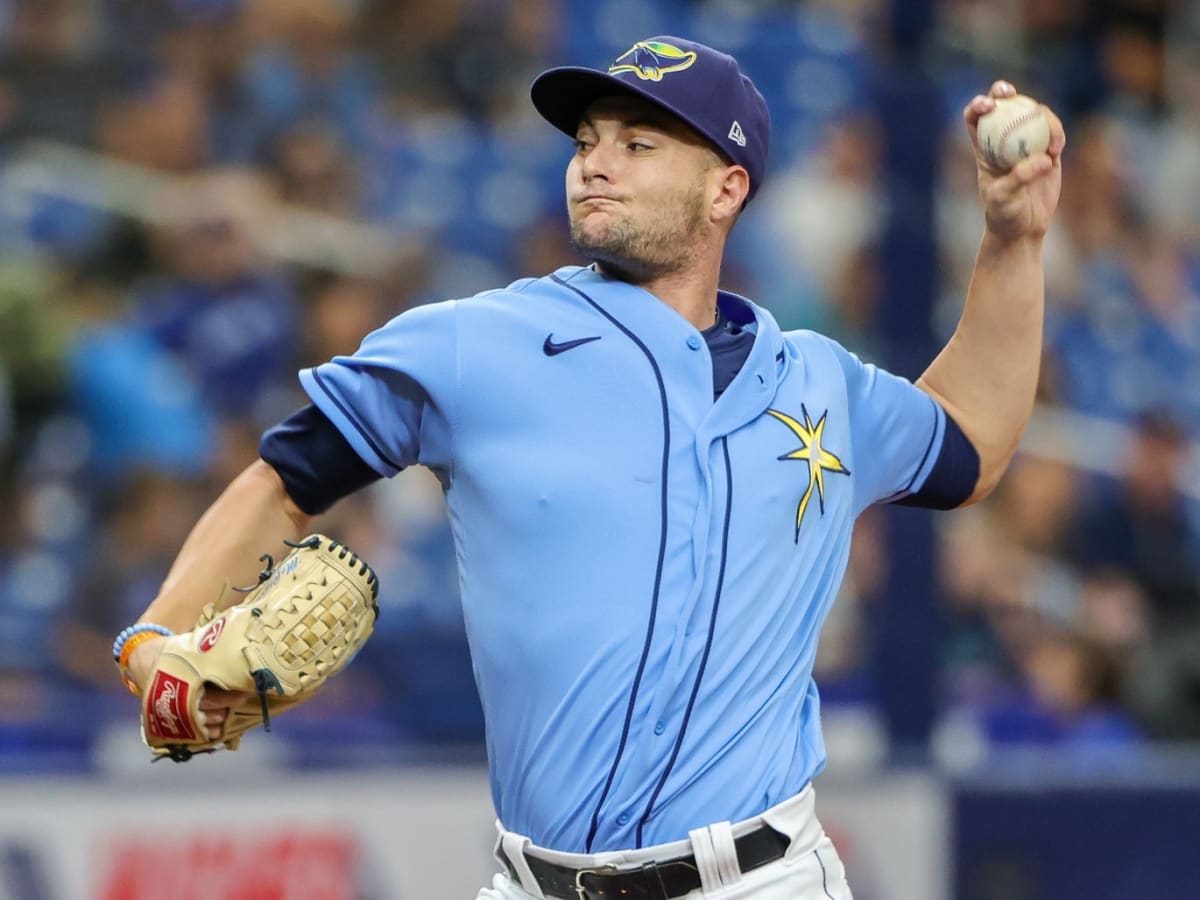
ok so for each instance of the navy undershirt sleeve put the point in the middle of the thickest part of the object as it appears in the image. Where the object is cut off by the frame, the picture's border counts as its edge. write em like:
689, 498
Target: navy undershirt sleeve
318, 466
954, 474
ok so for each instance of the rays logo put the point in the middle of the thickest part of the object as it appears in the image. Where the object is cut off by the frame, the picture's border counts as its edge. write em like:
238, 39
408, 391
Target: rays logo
812, 452
651, 60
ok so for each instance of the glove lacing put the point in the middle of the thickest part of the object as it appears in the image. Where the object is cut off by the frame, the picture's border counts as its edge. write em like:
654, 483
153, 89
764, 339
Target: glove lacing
264, 679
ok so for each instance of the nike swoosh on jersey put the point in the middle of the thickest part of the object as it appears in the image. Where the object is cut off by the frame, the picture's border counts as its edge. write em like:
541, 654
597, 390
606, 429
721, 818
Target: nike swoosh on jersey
550, 348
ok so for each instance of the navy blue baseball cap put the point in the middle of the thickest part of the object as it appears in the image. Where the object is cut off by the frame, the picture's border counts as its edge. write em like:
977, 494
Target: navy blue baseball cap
702, 86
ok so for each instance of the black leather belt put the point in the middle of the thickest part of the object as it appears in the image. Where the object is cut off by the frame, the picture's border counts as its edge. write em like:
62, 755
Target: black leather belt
660, 880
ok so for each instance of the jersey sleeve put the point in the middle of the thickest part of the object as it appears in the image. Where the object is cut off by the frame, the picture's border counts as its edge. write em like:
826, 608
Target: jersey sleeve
393, 400
897, 430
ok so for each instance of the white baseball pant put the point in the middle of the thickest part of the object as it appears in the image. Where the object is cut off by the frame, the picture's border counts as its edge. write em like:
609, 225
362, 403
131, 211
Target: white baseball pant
809, 870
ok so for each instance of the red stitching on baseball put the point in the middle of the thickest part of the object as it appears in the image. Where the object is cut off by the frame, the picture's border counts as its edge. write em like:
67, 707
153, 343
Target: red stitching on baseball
1008, 129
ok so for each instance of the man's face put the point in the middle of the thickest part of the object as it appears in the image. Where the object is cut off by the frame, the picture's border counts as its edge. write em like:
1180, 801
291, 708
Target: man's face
638, 187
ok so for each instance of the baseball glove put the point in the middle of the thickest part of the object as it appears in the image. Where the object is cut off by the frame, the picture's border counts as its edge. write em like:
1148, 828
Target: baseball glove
302, 623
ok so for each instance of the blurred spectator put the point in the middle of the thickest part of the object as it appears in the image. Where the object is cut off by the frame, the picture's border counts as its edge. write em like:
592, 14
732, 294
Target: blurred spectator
150, 351
981, 580
1173, 181
304, 65
34, 588
220, 307
1140, 528
161, 121
1036, 502
546, 245
312, 168
841, 664
32, 348
1062, 52
1076, 685
206, 45
52, 71
340, 311
36, 584
138, 405
1127, 336
1132, 53
828, 211
476, 59
1112, 612
235, 446
143, 521
1164, 686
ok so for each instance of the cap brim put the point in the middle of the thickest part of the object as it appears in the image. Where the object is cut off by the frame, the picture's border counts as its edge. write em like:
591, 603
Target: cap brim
562, 95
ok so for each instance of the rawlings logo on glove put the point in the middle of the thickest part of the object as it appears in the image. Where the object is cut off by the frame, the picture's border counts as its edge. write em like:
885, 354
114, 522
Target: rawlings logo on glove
303, 622
211, 635
167, 707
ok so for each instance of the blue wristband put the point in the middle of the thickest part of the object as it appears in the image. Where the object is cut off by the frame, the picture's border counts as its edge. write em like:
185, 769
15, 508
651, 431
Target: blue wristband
126, 634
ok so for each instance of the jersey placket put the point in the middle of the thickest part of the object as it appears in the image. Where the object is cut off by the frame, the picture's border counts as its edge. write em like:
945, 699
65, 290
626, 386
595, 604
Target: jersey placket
696, 621
667, 681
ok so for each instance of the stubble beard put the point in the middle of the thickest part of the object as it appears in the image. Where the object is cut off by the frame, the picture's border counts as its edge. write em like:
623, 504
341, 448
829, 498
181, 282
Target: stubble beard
642, 251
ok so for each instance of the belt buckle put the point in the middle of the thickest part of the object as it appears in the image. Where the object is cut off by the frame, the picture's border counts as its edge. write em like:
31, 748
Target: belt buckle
580, 890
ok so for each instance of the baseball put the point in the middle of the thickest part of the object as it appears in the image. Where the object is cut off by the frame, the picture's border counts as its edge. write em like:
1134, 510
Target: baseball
1016, 129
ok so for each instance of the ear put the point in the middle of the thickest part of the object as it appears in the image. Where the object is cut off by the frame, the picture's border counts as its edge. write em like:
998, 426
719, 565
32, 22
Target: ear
731, 187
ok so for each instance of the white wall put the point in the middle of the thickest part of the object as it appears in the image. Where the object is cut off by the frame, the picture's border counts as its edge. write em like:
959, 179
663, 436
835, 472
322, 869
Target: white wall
213, 831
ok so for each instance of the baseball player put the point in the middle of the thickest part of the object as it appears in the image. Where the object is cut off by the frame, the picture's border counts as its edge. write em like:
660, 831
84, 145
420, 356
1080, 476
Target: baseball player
652, 490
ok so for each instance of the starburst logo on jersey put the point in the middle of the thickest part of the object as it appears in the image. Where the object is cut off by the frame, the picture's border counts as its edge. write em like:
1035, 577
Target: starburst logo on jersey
651, 60
812, 452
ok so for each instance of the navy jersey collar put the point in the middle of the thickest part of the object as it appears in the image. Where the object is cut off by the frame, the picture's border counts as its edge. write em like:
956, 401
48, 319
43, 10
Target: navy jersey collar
754, 387
733, 307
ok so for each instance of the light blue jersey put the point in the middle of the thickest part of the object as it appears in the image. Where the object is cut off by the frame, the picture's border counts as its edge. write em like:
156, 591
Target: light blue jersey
644, 572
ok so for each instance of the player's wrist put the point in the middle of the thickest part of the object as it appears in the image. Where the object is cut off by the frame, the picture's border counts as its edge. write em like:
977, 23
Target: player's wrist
131, 652
1003, 241
142, 661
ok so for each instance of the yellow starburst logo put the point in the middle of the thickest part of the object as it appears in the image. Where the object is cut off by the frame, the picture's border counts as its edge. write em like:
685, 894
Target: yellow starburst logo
810, 451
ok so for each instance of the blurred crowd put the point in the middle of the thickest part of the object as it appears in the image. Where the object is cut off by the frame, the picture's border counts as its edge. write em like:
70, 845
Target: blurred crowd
199, 197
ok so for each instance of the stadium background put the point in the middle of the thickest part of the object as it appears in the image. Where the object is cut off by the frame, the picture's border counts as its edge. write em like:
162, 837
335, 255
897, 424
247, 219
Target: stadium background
198, 197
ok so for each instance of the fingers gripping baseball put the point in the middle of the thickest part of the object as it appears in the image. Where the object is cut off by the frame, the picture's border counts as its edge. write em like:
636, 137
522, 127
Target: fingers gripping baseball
1019, 201
215, 708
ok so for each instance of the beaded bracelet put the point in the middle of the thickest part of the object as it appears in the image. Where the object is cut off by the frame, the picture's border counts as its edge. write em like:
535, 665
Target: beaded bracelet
129, 639
129, 632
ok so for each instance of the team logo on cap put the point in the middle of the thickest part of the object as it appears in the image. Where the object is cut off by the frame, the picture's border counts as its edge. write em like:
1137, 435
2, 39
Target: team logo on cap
812, 452
651, 60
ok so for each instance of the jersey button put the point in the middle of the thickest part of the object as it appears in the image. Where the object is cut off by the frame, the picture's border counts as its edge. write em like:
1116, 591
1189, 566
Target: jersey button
694, 342
623, 818
660, 727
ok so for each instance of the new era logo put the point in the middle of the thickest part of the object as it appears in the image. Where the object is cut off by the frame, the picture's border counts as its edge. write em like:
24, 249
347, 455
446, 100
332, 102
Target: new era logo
736, 134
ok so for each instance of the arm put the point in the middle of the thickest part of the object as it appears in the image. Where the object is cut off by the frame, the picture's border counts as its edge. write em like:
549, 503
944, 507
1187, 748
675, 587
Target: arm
383, 420
256, 512
986, 375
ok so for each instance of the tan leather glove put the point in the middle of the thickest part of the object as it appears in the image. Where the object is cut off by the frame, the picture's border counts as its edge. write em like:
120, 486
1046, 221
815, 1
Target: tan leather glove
303, 622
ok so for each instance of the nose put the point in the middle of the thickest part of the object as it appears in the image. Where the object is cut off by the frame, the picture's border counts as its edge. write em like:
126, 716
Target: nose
596, 162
